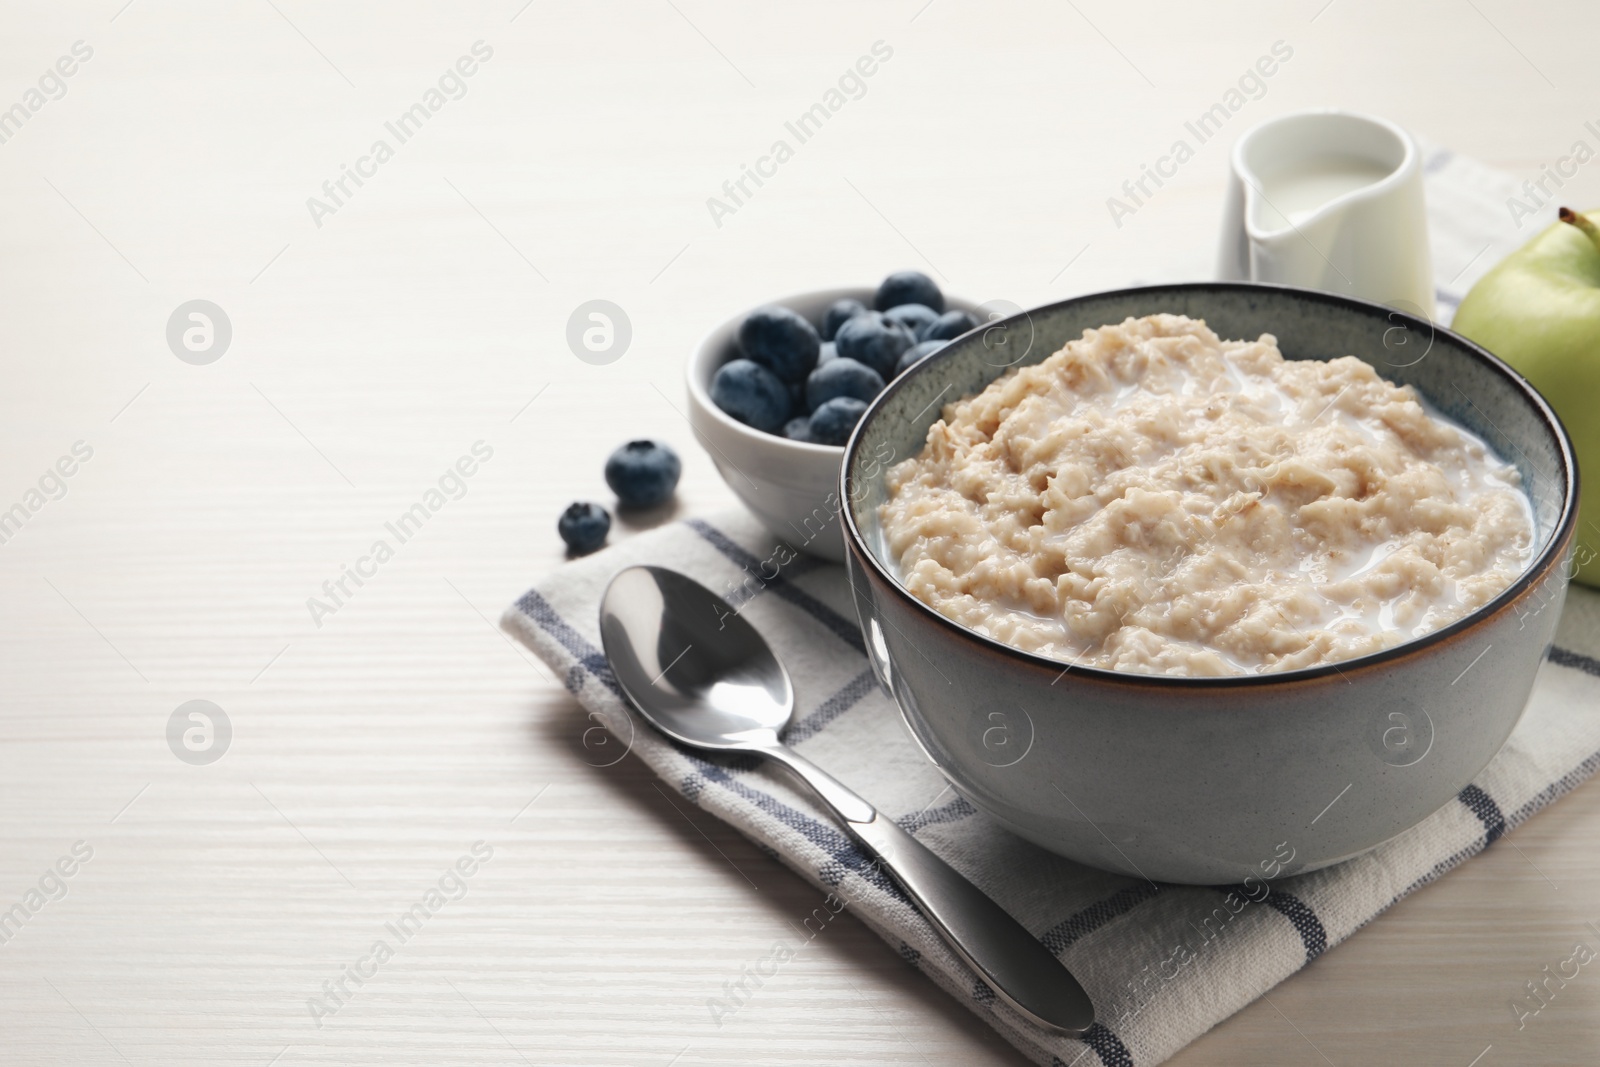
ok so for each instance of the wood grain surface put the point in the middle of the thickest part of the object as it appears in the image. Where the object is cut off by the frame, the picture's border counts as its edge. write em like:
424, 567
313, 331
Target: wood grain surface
375, 341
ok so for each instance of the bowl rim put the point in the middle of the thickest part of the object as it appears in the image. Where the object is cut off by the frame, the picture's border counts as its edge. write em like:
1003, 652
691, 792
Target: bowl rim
700, 393
857, 549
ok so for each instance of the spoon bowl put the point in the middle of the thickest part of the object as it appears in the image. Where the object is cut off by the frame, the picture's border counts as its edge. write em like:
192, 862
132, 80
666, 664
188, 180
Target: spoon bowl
696, 669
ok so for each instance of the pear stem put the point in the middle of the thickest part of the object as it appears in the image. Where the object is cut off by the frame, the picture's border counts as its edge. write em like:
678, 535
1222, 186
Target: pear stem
1590, 230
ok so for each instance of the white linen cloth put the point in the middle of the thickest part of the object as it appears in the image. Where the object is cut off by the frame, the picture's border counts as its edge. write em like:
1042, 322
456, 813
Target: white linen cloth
1163, 963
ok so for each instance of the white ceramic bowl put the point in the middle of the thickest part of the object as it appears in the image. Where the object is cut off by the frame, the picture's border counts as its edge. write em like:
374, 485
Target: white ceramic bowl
792, 487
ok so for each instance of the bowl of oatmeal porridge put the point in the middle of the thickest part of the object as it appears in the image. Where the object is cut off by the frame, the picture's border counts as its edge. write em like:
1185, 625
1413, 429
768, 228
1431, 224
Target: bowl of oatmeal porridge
1201, 569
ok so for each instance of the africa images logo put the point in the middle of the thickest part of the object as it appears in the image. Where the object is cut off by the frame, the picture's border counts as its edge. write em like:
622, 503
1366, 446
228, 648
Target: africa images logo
199, 732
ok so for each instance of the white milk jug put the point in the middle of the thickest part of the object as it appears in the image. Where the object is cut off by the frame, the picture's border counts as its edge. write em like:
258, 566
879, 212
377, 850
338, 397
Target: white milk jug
1332, 200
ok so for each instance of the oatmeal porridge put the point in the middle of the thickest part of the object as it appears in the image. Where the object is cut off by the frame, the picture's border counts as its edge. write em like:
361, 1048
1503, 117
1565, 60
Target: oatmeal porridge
1154, 499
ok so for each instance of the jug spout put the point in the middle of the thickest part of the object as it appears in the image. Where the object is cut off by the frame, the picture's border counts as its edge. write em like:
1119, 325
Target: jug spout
1330, 200
1303, 192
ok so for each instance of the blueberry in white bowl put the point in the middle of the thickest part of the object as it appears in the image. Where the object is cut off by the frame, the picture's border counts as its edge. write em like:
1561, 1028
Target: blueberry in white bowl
780, 340
949, 326
915, 317
840, 312
874, 340
832, 422
908, 287
842, 377
752, 394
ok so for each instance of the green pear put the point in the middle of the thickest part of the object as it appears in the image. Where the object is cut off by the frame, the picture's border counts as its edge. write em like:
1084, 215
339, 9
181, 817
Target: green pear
1539, 310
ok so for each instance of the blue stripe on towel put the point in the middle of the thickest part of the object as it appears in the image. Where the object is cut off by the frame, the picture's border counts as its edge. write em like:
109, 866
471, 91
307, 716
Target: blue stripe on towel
842, 701
1108, 1046
1062, 935
845, 629
592, 659
835, 842
841, 848
958, 809
1563, 657
1561, 786
843, 853
1312, 933
1488, 812
798, 566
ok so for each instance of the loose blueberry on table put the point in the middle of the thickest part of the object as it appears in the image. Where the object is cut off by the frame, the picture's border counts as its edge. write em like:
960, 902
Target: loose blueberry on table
811, 383
583, 526
643, 473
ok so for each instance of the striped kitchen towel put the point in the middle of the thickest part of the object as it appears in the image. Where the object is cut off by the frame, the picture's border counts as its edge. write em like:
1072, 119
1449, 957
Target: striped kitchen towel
1163, 963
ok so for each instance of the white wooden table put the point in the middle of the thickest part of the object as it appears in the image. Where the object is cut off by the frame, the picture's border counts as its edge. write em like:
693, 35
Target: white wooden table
376, 339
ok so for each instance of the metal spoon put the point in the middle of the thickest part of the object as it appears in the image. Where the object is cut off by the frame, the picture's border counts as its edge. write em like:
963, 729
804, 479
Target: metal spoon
702, 675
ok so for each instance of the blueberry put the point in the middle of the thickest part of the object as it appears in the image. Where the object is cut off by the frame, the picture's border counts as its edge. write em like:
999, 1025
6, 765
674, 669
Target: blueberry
781, 341
751, 393
643, 473
908, 287
799, 429
827, 353
947, 327
839, 312
584, 526
916, 355
832, 422
842, 377
914, 317
875, 341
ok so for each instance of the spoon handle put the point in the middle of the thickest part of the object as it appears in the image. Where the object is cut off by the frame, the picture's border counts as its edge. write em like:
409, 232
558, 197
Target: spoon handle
1013, 963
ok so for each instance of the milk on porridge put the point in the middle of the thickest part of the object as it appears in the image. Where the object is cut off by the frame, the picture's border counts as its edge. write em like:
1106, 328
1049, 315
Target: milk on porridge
1154, 499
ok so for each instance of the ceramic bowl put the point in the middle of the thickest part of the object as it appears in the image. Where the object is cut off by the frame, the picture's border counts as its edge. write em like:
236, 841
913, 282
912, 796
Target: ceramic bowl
1212, 780
792, 487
